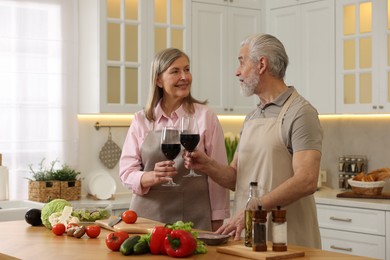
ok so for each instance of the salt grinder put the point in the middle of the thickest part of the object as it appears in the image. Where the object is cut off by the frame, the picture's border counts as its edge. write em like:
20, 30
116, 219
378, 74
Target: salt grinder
259, 232
279, 230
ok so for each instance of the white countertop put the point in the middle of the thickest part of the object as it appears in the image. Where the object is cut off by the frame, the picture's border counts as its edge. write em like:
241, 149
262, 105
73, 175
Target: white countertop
119, 201
327, 195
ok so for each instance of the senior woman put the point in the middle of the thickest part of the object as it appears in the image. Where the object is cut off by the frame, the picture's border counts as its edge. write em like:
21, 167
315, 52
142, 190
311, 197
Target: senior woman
143, 167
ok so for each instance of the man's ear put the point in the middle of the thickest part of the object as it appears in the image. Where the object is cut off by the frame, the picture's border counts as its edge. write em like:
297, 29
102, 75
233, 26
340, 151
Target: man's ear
262, 65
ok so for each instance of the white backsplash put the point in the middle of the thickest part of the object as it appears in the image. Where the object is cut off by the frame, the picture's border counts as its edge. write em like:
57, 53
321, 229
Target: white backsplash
368, 136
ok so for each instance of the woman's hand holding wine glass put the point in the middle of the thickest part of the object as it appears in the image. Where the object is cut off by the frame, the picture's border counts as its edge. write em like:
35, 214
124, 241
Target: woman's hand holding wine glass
170, 146
189, 137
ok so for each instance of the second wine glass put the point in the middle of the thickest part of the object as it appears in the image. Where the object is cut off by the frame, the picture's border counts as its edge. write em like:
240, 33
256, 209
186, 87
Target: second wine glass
170, 146
189, 137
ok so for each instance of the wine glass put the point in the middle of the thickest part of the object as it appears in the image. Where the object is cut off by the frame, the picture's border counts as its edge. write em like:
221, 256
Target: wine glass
189, 137
170, 146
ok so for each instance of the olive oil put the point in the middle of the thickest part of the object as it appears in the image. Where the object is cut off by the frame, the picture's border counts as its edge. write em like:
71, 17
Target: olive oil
250, 206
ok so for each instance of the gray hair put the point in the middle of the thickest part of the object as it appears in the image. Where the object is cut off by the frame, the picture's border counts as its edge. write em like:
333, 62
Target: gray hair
266, 45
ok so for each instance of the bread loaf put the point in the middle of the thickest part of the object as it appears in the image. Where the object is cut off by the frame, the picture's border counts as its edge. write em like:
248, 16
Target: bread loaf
381, 174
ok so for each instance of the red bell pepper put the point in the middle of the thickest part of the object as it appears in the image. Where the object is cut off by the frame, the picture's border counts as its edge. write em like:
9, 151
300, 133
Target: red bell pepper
157, 240
180, 243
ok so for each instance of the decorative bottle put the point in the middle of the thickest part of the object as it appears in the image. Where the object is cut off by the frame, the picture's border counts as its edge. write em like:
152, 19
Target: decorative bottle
250, 206
279, 230
259, 237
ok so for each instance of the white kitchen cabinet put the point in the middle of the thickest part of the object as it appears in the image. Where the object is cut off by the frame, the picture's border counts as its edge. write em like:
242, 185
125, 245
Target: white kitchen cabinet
252, 4
217, 31
362, 49
353, 230
306, 29
117, 40
388, 234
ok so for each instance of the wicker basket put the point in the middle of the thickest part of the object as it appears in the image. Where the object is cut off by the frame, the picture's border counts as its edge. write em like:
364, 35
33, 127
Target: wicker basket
44, 191
366, 188
70, 190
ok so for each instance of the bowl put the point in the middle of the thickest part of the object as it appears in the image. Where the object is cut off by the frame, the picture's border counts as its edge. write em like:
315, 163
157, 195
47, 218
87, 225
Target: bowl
366, 187
212, 239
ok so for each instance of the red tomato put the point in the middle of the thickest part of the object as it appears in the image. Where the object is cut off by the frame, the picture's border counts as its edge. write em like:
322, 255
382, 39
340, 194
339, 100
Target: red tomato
93, 231
58, 229
114, 240
70, 225
129, 216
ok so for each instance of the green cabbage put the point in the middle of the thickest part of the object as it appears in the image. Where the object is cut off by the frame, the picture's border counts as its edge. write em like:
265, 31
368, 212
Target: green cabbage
51, 207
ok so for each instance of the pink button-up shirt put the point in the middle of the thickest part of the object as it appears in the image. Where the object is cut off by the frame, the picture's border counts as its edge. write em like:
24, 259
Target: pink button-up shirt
211, 141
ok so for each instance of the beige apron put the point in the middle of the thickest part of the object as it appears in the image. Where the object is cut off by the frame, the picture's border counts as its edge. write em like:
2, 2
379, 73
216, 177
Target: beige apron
263, 157
188, 202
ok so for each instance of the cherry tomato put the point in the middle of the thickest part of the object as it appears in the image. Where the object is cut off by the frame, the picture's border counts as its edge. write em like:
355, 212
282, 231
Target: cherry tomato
58, 229
114, 240
70, 225
93, 231
129, 216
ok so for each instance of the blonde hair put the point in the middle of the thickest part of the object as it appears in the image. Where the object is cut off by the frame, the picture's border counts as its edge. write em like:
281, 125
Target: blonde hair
159, 65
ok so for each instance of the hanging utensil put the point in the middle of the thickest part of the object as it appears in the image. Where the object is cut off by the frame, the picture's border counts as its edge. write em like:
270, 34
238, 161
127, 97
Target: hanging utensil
110, 153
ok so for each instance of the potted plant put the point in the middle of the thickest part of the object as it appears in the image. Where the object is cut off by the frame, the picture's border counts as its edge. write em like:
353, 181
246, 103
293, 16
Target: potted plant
42, 187
50, 183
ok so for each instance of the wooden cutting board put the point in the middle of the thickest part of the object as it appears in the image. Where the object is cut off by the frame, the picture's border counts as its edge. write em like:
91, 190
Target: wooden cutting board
247, 252
141, 226
350, 194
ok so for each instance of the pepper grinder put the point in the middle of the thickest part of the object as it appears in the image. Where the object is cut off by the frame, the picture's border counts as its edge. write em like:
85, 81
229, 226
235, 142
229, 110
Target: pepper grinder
259, 232
279, 230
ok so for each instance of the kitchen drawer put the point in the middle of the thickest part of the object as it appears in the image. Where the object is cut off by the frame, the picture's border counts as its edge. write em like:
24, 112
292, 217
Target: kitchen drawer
351, 219
353, 243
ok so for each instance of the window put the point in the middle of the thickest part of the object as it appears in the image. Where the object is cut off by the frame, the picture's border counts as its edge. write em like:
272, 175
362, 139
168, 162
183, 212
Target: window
38, 86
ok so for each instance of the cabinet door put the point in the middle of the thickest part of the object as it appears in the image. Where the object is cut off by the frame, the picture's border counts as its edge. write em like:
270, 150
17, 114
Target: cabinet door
353, 243
362, 49
388, 234
242, 22
209, 59
216, 34
252, 4
284, 23
307, 32
317, 53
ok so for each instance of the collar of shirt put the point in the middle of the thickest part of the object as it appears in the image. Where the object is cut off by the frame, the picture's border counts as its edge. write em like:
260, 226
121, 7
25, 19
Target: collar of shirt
164, 119
280, 100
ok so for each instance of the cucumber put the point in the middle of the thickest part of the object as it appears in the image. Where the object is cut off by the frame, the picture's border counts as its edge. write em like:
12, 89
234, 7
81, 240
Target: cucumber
127, 247
142, 247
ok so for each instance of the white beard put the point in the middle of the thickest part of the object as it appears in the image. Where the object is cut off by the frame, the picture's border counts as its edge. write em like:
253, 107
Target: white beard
248, 88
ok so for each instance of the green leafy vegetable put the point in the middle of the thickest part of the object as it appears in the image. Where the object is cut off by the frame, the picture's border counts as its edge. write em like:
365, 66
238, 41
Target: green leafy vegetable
90, 215
56, 205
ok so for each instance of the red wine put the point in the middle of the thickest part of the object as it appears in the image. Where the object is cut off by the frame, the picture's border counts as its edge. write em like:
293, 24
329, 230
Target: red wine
189, 141
170, 150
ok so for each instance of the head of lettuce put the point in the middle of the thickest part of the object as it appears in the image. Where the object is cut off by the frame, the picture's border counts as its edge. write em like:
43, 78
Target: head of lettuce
56, 205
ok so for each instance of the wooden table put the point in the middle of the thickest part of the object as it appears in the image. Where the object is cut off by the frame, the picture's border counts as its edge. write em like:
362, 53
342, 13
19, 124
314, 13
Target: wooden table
19, 240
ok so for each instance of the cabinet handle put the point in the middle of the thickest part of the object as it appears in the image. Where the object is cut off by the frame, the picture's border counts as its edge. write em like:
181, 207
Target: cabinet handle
341, 248
380, 107
374, 107
231, 109
341, 219
225, 109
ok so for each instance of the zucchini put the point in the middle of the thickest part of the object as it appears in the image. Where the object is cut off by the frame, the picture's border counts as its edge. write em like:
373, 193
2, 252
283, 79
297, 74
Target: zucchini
142, 247
127, 247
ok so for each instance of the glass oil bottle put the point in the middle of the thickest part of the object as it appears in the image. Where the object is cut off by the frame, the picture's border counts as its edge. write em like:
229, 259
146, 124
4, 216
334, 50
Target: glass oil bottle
248, 213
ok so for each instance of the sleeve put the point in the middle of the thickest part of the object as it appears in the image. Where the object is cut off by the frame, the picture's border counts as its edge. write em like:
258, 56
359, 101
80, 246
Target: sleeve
215, 148
130, 164
306, 130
